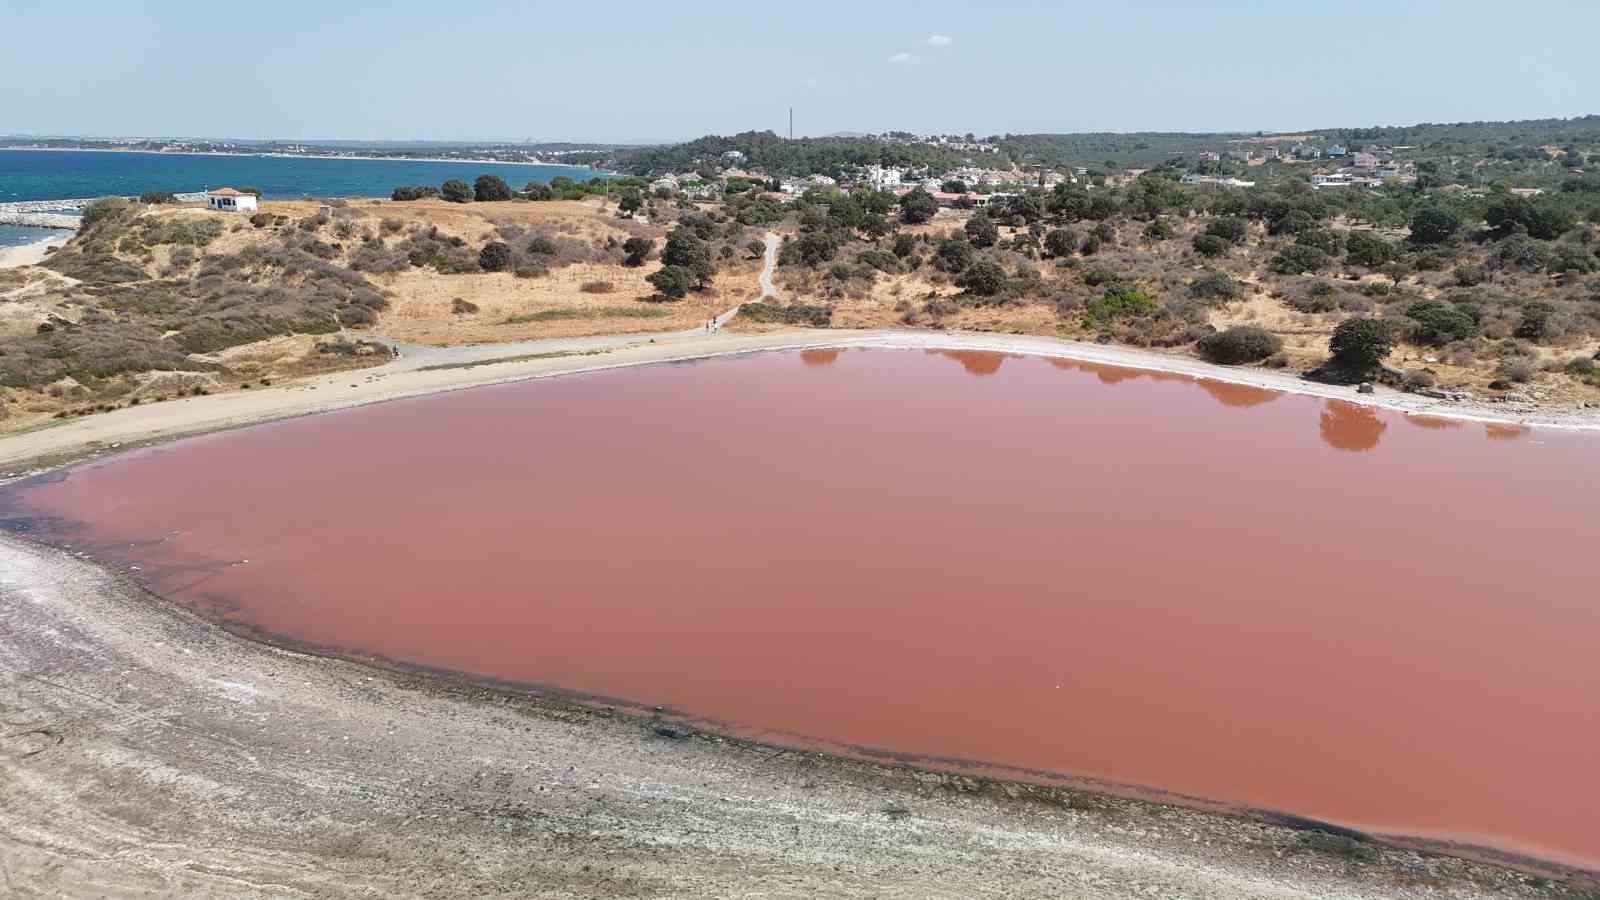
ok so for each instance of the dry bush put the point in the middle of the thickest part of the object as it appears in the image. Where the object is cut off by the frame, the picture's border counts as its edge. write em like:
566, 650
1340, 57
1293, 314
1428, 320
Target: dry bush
597, 287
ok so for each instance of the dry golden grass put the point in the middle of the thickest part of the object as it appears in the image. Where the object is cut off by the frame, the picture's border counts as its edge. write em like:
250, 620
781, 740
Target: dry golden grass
422, 302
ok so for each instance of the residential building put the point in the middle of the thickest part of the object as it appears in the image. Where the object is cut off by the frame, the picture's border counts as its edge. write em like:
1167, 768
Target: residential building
229, 200
1364, 161
882, 177
1337, 150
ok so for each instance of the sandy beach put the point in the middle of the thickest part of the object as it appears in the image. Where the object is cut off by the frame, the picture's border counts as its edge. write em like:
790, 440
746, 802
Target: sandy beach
34, 253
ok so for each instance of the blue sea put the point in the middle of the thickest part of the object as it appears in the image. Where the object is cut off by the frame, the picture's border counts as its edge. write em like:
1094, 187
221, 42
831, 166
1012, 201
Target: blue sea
63, 174
67, 174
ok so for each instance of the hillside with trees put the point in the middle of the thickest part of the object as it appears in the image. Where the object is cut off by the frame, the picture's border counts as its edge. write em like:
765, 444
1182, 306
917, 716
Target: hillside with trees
774, 155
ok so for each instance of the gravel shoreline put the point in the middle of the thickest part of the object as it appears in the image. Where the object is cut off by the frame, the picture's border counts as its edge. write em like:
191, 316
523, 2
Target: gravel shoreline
149, 753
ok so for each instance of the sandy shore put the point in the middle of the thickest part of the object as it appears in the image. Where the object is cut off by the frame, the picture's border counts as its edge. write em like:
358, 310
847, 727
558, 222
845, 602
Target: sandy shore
34, 253
426, 370
146, 753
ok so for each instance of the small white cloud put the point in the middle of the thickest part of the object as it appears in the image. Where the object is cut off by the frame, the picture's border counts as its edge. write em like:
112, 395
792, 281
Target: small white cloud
902, 59
939, 40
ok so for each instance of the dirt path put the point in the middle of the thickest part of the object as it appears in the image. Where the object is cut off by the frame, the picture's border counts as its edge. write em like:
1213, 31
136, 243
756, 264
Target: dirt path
146, 754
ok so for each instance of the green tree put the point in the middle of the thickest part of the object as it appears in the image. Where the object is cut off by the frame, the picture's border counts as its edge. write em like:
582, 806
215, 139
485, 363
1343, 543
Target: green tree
685, 251
488, 188
1231, 229
1361, 343
1363, 248
456, 191
1060, 242
636, 250
817, 247
538, 190
1159, 229
631, 201
672, 281
917, 206
982, 231
905, 245
984, 278
954, 186
1433, 225
953, 256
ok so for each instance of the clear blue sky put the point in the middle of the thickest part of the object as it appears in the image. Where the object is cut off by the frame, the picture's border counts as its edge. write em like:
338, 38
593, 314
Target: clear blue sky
469, 69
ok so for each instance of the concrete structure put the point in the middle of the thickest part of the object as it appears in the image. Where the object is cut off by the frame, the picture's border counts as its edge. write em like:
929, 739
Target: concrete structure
230, 200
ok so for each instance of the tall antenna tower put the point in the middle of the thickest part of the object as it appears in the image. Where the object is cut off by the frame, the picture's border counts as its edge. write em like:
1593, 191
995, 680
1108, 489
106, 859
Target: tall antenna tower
791, 123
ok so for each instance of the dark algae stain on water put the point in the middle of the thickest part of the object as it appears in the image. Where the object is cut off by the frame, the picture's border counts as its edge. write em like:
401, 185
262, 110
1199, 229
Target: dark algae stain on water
1266, 600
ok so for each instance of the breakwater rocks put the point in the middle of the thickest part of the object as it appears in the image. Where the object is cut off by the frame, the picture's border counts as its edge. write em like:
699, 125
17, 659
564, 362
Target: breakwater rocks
39, 220
53, 213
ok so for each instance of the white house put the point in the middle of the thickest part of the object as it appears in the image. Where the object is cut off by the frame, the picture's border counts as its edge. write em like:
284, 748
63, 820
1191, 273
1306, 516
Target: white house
230, 200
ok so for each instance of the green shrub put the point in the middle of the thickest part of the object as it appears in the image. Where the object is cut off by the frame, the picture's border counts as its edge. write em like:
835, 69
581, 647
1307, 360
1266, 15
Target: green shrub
414, 192
456, 191
1120, 302
1439, 323
1231, 229
494, 257
1239, 344
793, 314
1329, 242
1214, 285
103, 209
1298, 259
1209, 245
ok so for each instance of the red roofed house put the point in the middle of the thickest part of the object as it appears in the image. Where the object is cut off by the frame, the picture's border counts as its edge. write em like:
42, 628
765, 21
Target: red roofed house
230, 200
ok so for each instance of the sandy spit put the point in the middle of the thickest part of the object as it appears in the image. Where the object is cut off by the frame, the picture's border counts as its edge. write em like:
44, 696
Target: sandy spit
146, 753
410, 375
34, 253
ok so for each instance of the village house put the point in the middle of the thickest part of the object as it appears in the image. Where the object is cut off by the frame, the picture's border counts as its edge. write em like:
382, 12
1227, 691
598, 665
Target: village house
1337, 150
229, 200
882, 177
1364, 161
1524, 192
